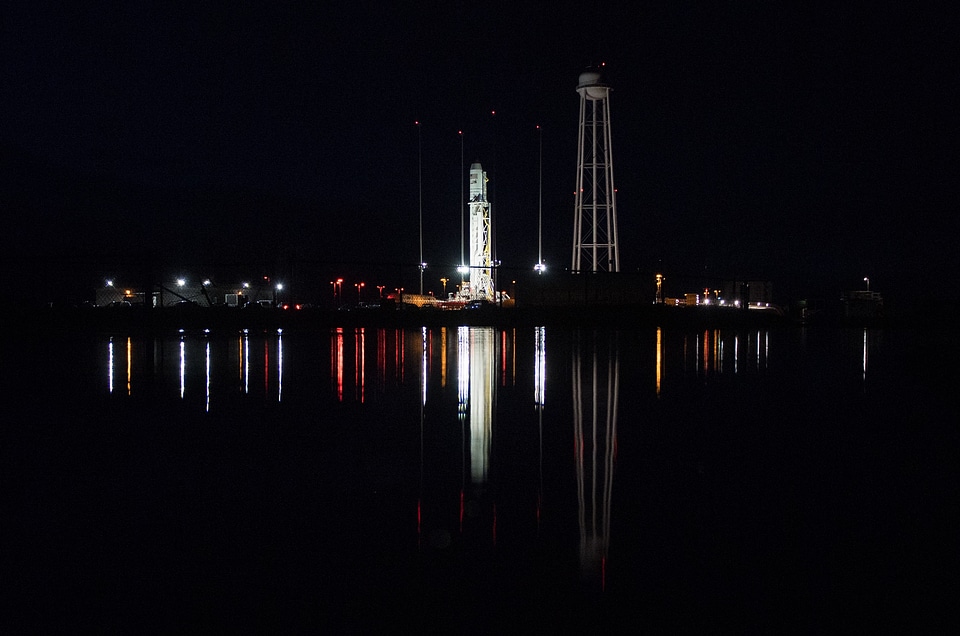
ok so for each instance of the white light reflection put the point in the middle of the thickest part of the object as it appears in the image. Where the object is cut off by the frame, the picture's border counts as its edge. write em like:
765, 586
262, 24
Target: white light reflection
183, 366
246, 361
208, 375
463, 397
423, 367
539, 396
766, 349
721, 345
758, 349
540, 367
110, 365
482, 380
463, 370
279, 363
866, 346
736, 353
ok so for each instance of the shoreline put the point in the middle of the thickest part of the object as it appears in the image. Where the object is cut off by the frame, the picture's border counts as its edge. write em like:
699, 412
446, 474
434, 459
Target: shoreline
228, 319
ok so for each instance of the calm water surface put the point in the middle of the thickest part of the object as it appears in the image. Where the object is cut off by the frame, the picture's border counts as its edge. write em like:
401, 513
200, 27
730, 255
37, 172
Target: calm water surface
476, 478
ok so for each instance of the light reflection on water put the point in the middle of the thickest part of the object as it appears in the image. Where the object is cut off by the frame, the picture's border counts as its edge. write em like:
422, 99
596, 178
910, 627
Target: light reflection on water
706, 355
481, 418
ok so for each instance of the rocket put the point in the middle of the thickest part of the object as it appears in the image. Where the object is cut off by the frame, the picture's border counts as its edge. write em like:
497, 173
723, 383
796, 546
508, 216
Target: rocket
481, 280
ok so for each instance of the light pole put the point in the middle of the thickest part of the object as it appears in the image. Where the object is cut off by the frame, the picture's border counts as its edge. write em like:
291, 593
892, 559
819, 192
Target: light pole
380, 289
444, 282
867, 281
420, 194
358, 286
540, 265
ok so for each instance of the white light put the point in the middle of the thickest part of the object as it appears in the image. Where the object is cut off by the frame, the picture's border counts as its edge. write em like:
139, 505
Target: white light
181, 282
206, 281
279, 286
109, 283
463, 269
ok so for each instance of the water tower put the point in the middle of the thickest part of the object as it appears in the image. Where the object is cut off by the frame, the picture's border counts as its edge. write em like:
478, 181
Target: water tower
595, 209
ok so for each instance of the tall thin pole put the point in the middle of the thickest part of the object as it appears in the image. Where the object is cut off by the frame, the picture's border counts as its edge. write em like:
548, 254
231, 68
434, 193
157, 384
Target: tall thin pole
461, 199
540, 202
420, 194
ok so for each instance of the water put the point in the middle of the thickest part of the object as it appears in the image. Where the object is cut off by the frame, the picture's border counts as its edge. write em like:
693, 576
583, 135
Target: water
479, 478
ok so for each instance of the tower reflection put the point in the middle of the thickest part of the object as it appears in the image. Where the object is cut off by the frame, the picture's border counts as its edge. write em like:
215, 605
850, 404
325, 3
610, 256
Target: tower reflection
539, 400
596, 388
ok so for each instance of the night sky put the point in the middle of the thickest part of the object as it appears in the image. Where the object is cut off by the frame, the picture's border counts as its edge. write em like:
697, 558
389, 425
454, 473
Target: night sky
802, 143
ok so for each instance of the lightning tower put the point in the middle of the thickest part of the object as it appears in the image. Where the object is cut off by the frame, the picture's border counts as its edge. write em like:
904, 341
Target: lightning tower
595, 208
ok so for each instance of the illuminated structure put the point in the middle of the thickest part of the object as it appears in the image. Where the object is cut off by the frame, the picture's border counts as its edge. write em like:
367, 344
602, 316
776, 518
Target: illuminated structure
595, 208
481, 280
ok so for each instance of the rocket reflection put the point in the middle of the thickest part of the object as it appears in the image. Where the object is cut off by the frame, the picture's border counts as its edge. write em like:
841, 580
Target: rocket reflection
596, 388
480, 371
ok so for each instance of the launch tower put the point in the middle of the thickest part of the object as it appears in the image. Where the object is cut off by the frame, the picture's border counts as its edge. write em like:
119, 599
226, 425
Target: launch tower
595, 209
481, 281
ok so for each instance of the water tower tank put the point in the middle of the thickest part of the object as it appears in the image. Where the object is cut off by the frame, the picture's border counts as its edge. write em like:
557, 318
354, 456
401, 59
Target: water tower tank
591, 84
